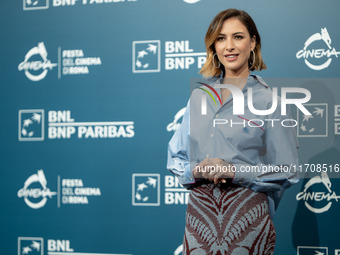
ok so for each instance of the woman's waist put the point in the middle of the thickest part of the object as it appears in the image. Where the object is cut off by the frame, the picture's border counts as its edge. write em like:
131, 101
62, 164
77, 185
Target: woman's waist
227, 189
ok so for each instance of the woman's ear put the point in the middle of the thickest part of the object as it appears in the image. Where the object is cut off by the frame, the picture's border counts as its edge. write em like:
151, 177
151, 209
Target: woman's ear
253, 43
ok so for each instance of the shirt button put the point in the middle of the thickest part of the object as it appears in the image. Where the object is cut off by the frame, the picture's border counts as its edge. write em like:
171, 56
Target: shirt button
211, 135
216, 115
207, 155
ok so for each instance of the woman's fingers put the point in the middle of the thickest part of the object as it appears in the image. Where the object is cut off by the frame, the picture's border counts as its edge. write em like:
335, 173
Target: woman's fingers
210, 169
219, 178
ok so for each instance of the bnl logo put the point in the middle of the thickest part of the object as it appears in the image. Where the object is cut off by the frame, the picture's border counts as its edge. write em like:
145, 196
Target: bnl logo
309, 250
146, 56
35, 4
31, 125
145, 189
315, 125
30, 246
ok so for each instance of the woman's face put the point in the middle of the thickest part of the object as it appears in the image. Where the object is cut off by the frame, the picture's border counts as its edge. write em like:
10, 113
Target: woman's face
233, 46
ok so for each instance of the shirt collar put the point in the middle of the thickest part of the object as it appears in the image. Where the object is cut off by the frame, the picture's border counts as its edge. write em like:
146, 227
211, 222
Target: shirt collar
252, 80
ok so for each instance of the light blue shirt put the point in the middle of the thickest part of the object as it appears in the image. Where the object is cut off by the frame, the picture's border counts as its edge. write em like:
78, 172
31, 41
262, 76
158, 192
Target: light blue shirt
258, 143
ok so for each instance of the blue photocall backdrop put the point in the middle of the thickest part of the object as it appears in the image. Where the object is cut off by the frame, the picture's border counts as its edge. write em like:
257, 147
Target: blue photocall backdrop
93, 90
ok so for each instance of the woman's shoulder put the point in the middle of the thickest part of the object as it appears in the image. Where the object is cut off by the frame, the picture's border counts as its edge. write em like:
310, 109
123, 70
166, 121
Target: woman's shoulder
257, 82
261, 81
262, 88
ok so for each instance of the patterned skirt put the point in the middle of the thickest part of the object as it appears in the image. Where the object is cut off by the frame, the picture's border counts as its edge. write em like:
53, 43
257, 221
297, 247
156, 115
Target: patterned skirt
227, 219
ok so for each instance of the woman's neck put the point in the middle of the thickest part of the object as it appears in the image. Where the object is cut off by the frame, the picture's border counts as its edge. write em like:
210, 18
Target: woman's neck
238, 79
241, 73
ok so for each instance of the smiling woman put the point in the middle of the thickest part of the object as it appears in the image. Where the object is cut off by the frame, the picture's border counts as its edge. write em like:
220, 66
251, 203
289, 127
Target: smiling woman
232, 33
230, 209
233, 47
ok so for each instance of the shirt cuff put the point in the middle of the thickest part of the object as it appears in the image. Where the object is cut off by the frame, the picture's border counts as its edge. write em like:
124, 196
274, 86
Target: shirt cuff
187, 178
242, 178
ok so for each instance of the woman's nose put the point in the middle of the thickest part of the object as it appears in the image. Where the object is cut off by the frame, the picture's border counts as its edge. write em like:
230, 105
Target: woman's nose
229, 44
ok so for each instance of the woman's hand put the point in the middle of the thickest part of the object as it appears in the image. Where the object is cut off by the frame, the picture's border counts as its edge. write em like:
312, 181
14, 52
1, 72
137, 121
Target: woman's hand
214, 169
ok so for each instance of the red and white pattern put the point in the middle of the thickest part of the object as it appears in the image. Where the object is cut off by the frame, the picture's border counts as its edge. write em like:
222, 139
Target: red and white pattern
228, 219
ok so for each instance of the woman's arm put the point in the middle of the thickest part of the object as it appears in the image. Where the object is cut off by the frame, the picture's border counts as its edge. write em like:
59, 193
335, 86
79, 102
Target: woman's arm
280, 160
277, 168
179, 151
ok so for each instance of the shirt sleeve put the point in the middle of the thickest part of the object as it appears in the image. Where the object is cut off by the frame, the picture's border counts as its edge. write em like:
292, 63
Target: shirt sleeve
179, 150
278, 170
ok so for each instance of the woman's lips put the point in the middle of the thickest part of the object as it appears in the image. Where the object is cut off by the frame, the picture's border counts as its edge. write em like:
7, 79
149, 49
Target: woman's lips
231, 57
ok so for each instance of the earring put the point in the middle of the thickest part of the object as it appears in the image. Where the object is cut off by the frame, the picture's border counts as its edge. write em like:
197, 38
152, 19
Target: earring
219, 63
253, 58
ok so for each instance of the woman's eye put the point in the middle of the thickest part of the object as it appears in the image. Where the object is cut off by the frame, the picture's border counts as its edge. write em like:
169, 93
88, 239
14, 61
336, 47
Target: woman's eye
220, 38
238, 37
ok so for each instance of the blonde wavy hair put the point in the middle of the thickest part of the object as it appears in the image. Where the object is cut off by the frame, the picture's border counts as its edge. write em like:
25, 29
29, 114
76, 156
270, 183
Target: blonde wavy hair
208, 69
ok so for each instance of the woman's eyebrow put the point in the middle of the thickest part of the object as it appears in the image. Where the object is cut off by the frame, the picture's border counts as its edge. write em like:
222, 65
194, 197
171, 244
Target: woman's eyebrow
238, 33
232, 34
